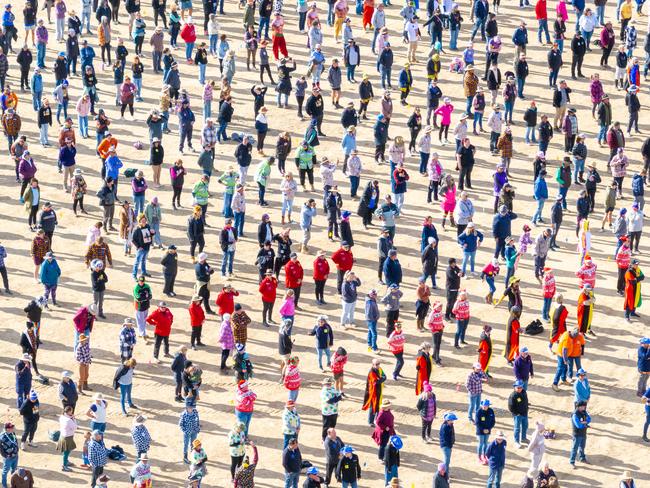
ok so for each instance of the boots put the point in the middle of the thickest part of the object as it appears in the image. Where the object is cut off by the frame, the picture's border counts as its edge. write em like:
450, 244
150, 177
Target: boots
451, 219
283, 220
444, 219
420, 324
488, 298
304, 249
580, 178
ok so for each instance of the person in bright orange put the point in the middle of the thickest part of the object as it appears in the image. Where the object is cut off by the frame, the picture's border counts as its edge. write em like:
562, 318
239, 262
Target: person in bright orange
586, 309
570, 348
368, 10
633, 278
374, 389
423, 366
485, 349
9, 99
513, 330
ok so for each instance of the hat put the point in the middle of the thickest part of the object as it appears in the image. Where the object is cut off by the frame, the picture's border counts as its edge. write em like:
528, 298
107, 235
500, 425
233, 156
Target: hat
239, 346
463, 116
347, 449
469, 67
451, 416
385, 403
477, 365
128, 320
66, 374
392, 252
501, 435
345, 244
196, 443
293, 255
83, 337
290, 403
140, 419
626, 475
77, 171
559, 197
644, 341
396, 441
572, 110
581, 372
312, 470
33, 396
9, 425
485, 403
26, 357
518, 384
203, 256
426, 386
523, 350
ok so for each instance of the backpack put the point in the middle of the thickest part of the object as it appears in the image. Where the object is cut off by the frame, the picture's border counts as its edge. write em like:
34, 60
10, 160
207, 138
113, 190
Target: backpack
116, 453
535, 327
130, 172
54, 435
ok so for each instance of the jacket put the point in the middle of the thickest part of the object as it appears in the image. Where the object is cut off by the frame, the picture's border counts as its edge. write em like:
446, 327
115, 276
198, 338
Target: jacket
162, 321
392, 271
324, 336
502, 225
518, 403
50, 272
447, 435
496, 454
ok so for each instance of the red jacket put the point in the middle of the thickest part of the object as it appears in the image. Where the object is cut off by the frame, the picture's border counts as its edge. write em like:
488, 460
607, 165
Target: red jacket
226, 301
197, 315
343, 259
321, 269
162, 321
293, 274
540, 10
268, 288
188, 33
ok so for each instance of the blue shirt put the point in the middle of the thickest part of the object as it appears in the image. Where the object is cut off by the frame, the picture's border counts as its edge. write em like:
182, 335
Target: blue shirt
189, 422
97, 453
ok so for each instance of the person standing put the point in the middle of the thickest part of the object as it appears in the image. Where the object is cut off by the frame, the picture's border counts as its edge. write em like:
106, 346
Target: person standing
643, 365
8, 451
580, 421
447, 437
518, 407
162, 319
98, 456
292, 464
496, 456
190, 427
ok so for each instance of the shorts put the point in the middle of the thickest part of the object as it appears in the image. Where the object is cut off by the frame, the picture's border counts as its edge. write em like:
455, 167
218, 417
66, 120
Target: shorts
609, 209
338, 376
30, 27
619, 73
38, 261
186, 5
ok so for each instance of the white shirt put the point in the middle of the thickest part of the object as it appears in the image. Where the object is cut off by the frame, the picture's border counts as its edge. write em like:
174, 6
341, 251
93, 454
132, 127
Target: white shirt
412, 29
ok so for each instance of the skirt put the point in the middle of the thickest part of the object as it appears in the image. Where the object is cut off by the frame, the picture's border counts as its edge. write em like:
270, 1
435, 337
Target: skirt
66, 444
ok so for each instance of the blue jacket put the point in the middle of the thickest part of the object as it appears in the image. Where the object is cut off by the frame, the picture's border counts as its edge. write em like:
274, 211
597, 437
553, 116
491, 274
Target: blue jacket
484, 420
520, 37
37, 83
67, 156
87, 55
307, 215
579, 4
50, 272
540, 191
372, 310
447, 435
643, 359
324, 336
496, 454
186, 117
637, 185
23, 377
426, 233
392, 271
502, 225
581, 390
113, 165
470, 240
480, 10
405, 78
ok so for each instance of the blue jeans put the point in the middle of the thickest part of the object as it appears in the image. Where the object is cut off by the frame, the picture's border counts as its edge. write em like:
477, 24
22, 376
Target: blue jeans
189, 47
291, 480
350, 72
349, 484
207, 109
478, 24
244, 417
446, 457
156, 60
574, 361
602, 133
600, 14
563, 191
578, 167
264, 24
8, 465
391, 472
537, 216
577, 449
62, 107
520, 87
372, 334
543, 26
494, 478
85, 19
482, 444
83, 125
100, 426
140, 262
552, 77
36, 100
138, 203
546, 308
157, 239
560, 45
221, 132
509, 107
587, 36
468, 256
325, 352
188, 438
530, 135
125, 396
578, 15
468, 105
214, 38
478, 119
461, 327
374, 39
510, 272
239, 223
473, 406
385, 76
202, 68
138, 85
453, 39
354, 185
40, 55
520, 427
490, 281
227, 205
228, 259
560, 371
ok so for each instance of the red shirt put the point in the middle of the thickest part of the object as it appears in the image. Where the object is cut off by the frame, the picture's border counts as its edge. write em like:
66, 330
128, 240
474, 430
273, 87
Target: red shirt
293, 274
268, 288
343, 259
540, 10
197, 315
226, 301
188, 33
162, 321
321, 269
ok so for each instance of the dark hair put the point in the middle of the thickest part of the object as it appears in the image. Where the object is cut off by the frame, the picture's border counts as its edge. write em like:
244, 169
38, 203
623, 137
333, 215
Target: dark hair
341, 351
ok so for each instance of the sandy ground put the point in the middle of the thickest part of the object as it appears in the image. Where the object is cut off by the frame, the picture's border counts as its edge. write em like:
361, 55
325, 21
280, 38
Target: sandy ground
614, 441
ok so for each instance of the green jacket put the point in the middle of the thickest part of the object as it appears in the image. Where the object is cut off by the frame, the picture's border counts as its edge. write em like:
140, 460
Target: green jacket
153, 213
263, 172
230, 181
305, 157
200, 193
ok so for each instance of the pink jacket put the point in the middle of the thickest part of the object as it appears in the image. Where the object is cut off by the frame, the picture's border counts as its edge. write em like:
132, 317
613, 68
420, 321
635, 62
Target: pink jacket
288, 307
244, 399
445, 112
226, 338
560, 9
448, 202
434, 170
83, 108
461, 309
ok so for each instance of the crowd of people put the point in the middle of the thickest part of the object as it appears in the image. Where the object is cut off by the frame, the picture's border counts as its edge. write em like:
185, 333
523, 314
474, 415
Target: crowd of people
216, 161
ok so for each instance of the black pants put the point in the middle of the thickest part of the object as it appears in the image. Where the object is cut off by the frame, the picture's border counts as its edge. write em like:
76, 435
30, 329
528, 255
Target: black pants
556, 231
380, 149
29, 430
569, 142
445, 129
633, 121
399, 363
267, 68
31, 220
200, 240
176, 197
380, 268
78, 201
433, 189
279, 264
426, 428
296, 295
339, 280
170, 279
267, 311
160, 340
635, 237
576, 62
260, 140
367, 217
329, 469
224, 357
414, 136
235, 462
196, 335
320, 289
620, 283
204, 292
540, 262
310, 176
138, 44
451, 299
106, 53
391, 317
329, 421
300, 101
5, 278
50, 236
123, 108
24, 79
437, 341
592, 199
465, 177
97, 472
161, 13
605, 57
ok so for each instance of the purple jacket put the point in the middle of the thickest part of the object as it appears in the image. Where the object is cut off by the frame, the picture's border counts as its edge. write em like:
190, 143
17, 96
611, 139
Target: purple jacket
41, 35
226, 338
596, 89
26, 168
523, 368
500, 179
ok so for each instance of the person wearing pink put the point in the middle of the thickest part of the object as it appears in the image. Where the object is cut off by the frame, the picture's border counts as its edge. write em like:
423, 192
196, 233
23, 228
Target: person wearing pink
548, 292
560, 9
244, 404
83, 109
288, 307
596, 91
339, 360
436, 326
396, 342
444, 111
291, 378
448, 203
623, 259
226, 339
461, 312
188, 34
587, 273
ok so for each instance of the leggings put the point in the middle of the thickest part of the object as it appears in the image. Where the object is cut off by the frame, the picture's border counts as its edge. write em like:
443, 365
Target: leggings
426, 428
443, 128
176, 198
138, 44
414, 135
78, 201
124, 105
32, 215
106, 53
235, 462
267, 68
224, 357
